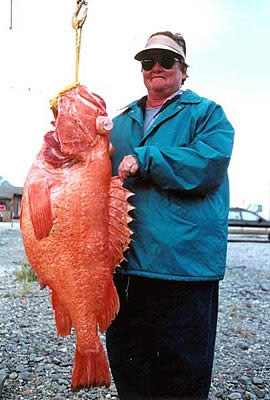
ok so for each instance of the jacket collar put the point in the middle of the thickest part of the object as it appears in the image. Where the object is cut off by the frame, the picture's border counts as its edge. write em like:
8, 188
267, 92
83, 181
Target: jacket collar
136, 108
188, 96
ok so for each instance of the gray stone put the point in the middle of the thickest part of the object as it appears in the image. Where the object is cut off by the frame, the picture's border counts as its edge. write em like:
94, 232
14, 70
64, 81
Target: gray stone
32, 357
219, 393
3, 377
243, 345
234, 396
249, 396
13, 375
25, 376
259, 392
20, 368
257, 381
265, 286
59, 388
39, 359
63, 382
40, 369
56, 361
245, 380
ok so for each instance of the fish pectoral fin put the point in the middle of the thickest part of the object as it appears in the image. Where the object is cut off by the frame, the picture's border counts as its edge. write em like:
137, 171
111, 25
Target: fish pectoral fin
90, 369
119, 218
40, 208
62, 320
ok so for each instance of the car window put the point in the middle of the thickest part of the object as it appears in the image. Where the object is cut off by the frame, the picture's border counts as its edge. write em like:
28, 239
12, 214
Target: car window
234, 214
248, 216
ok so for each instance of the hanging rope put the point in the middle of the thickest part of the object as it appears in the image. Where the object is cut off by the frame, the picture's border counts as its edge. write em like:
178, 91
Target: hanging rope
77, 24
11, 15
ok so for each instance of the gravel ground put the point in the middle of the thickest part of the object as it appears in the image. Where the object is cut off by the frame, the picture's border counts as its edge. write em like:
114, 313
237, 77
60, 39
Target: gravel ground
36, 364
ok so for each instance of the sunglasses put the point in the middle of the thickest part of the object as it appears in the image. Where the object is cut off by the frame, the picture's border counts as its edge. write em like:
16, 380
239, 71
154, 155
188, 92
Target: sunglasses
166, 62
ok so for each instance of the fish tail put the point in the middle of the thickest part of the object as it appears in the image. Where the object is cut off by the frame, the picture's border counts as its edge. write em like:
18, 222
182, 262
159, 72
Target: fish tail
62, 319
91, 369
110, 307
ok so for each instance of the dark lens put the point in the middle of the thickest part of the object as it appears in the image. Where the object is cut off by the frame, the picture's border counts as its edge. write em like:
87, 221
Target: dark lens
167, 62
148, 64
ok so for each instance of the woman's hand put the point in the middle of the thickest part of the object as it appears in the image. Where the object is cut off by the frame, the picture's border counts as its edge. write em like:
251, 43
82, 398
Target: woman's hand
127, 167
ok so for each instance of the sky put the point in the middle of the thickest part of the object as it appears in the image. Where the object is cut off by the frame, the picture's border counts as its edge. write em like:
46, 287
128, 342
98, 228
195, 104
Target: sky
227, 50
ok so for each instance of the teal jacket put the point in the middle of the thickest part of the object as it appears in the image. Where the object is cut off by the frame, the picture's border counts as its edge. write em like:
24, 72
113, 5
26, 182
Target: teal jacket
181, 190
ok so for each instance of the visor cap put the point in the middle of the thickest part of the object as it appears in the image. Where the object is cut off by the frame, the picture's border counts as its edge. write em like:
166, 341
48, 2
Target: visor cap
161, 42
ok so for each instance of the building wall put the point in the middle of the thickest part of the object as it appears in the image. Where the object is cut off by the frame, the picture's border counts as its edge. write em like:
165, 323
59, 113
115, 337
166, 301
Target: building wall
6, 202
12, 206
17, 206
5, 216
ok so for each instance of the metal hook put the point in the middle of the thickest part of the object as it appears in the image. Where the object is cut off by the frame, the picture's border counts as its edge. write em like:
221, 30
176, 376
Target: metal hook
78, 23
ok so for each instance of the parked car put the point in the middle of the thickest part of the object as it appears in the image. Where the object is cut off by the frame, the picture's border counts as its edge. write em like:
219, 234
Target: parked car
245, 222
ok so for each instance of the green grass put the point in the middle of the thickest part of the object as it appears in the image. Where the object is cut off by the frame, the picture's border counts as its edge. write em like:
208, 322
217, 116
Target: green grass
26, 275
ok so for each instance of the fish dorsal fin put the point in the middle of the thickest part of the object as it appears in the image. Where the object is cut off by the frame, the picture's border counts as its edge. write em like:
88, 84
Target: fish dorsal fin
119, 232
40, 208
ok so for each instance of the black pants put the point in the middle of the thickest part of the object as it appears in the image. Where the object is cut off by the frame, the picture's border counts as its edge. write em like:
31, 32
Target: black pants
161, 344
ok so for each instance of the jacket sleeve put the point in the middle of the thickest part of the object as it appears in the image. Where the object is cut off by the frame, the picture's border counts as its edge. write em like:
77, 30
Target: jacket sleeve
198, 167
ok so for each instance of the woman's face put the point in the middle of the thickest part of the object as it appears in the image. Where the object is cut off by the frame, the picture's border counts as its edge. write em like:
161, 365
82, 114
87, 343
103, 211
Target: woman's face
159, 81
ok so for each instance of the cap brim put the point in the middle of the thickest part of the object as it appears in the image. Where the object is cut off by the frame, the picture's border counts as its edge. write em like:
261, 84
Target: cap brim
141, 55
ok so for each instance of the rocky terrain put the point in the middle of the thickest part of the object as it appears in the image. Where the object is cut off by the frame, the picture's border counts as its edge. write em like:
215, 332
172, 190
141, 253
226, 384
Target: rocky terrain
36, 364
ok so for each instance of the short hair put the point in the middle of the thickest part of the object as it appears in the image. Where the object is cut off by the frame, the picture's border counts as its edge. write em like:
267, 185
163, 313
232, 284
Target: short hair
178, 38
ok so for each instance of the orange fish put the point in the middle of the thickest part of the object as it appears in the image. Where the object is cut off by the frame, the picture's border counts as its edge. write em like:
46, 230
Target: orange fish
74, 224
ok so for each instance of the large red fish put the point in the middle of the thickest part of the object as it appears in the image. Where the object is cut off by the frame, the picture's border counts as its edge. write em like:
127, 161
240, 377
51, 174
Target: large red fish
74, 224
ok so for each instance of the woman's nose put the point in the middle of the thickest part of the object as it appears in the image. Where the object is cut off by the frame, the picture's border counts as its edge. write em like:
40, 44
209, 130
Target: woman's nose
156, 66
